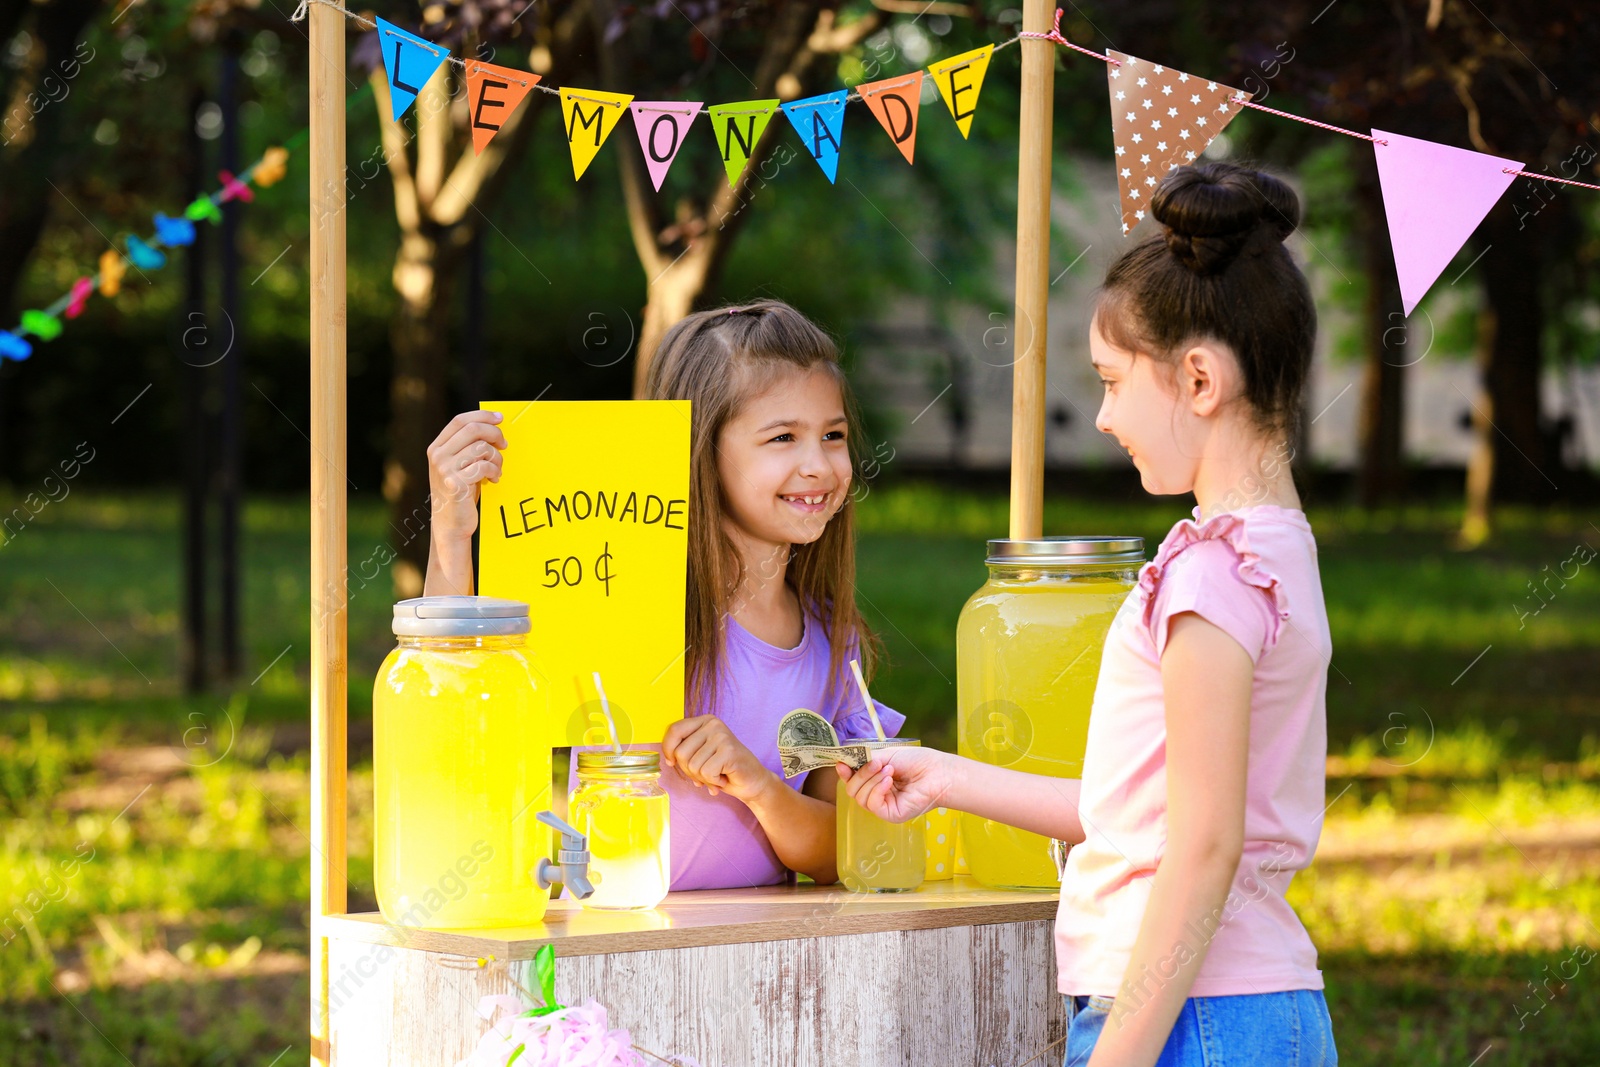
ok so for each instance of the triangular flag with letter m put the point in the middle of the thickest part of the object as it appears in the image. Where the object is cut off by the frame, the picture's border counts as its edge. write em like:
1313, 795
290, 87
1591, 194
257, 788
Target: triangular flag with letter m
590, 116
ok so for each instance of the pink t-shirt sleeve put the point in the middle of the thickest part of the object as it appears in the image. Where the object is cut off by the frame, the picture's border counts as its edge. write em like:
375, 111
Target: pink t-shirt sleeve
1204, 578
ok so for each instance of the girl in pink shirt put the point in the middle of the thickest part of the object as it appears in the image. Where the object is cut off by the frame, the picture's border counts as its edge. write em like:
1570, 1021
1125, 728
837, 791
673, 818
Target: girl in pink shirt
1203, 778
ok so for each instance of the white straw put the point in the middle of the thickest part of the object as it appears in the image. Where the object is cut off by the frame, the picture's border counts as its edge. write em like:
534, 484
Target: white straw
872, 709
605, 706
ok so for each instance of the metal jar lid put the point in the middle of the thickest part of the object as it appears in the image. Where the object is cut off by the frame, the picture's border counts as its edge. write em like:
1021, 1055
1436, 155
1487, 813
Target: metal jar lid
610, 761
460, 616
1058, 551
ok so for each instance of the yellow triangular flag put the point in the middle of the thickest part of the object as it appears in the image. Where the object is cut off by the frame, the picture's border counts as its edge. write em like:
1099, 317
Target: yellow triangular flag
589, 116
960, 79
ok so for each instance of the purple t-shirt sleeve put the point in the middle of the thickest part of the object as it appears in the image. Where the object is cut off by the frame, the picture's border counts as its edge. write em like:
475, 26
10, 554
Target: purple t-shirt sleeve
849, 715
1204, 578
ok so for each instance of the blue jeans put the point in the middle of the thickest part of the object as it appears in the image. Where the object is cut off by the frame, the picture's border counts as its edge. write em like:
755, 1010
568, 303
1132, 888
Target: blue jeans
1288, 1029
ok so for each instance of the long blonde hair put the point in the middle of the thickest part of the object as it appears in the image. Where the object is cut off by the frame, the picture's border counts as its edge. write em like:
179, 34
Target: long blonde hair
716, 360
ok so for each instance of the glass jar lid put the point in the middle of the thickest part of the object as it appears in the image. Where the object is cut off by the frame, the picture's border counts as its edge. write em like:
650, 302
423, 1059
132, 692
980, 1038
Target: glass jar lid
628, 762
1082, 551
460, 616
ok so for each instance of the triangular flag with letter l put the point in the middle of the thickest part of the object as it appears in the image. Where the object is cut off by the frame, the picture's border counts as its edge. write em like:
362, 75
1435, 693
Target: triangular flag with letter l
661, 125
819, 120
590, 117
1434, 196
960, 79
894, 102
408, 62
738, 128
493, 93
1160, 119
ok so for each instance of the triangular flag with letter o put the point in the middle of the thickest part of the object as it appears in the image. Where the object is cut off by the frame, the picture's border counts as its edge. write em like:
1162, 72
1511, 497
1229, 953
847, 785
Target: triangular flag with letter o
894, 102
960, 79
661, 125
590, 117
493, 93
820, 122
1434, 196
1160, 119
738, 128
408, 61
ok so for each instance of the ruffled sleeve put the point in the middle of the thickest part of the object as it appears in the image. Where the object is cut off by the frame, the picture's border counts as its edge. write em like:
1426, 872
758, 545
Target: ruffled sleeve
849, 715
1210, 569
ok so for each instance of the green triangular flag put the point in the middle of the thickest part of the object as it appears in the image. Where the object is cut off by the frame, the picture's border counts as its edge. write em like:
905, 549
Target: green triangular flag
738, 128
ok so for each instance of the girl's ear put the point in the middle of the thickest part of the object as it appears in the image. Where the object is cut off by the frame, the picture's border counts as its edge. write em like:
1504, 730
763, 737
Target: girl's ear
1205, 377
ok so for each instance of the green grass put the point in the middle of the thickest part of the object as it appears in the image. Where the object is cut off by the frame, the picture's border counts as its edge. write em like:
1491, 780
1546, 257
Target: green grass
1459, 869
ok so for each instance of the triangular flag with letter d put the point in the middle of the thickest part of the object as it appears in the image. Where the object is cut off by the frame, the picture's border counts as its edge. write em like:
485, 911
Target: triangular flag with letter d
409, 62
493, 93
1160, 119
661, 125
1434, 196
894, 102
819, 120
960, 79
738, 128
590, 117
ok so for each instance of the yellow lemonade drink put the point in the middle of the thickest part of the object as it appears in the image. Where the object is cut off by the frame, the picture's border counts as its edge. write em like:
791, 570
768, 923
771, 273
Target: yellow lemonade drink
621, 807
461, 768
872, 854
1028, 650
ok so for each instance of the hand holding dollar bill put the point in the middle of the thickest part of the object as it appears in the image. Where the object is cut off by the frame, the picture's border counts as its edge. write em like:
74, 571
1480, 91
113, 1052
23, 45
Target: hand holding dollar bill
807, 741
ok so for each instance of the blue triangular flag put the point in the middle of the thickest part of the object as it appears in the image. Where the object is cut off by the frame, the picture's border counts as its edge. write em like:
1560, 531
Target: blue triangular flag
820, 122
409, 61
13, 347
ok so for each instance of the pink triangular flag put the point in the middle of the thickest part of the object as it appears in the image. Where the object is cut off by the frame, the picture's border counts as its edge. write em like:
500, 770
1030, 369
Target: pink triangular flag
661, 125
1434, 196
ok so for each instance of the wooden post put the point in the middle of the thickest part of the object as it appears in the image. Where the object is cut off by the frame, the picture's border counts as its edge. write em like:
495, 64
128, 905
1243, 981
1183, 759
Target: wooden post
1033, 272
329, 624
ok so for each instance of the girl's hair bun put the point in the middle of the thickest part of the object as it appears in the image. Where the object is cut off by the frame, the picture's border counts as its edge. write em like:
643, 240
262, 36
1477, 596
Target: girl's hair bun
1214, 212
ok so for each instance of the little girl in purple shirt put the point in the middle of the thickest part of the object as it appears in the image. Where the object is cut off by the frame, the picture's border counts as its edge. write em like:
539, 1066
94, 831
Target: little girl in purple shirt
771, 620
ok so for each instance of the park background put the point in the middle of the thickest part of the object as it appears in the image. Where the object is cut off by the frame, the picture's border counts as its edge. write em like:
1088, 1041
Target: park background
154, 608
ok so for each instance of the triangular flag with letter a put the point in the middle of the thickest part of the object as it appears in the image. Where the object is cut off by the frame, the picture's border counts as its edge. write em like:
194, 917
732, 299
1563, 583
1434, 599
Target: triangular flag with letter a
1160, 119
960, 79
590, 116
738, 128
819, 120
408, 62
1434, 196
894, 103
661, 125
493, 93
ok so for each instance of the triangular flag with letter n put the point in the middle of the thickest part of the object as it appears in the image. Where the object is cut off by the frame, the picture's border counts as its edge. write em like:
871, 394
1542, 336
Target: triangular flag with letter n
1160, 119
408, 62
738, 128
590, 116
1434, 196
493, 93
960, 79
661, 125
894, 103
819, 120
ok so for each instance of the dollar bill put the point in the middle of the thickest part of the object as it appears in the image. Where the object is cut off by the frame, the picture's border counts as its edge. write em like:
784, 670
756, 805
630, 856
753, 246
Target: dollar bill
798, 759
802, 726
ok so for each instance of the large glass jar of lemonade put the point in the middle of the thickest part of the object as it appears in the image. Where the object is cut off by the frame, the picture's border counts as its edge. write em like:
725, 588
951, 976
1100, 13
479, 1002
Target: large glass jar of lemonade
1027, 657
461, 767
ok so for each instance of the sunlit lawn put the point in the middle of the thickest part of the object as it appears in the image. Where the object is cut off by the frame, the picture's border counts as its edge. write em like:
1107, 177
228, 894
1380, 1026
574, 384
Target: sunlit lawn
153, 860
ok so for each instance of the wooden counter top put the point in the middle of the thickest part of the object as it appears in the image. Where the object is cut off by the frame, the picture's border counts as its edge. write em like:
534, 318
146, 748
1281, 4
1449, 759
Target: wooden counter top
716, 917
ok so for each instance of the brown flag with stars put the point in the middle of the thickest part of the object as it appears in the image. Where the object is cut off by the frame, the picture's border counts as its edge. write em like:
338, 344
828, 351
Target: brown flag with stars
1160, 119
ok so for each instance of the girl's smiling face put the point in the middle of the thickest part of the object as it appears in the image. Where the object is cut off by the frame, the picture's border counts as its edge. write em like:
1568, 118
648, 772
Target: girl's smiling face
784, 460
1161, 431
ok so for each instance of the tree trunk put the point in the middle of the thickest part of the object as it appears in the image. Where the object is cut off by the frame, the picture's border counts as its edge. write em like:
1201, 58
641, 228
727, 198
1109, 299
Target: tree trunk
1381, 439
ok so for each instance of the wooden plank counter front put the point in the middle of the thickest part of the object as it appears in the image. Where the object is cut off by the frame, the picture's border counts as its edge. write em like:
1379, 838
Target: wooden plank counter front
952, 975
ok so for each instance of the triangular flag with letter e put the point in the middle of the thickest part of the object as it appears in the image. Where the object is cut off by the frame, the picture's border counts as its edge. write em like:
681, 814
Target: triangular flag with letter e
1160, 119
1434, 196
661, 125
819, 120
894, 103
960, 79
408, 62
590, 117
738, 128
493, 93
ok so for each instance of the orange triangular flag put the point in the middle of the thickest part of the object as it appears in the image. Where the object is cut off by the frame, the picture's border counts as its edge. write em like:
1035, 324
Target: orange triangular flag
1160, 119
894, 102
493, 93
